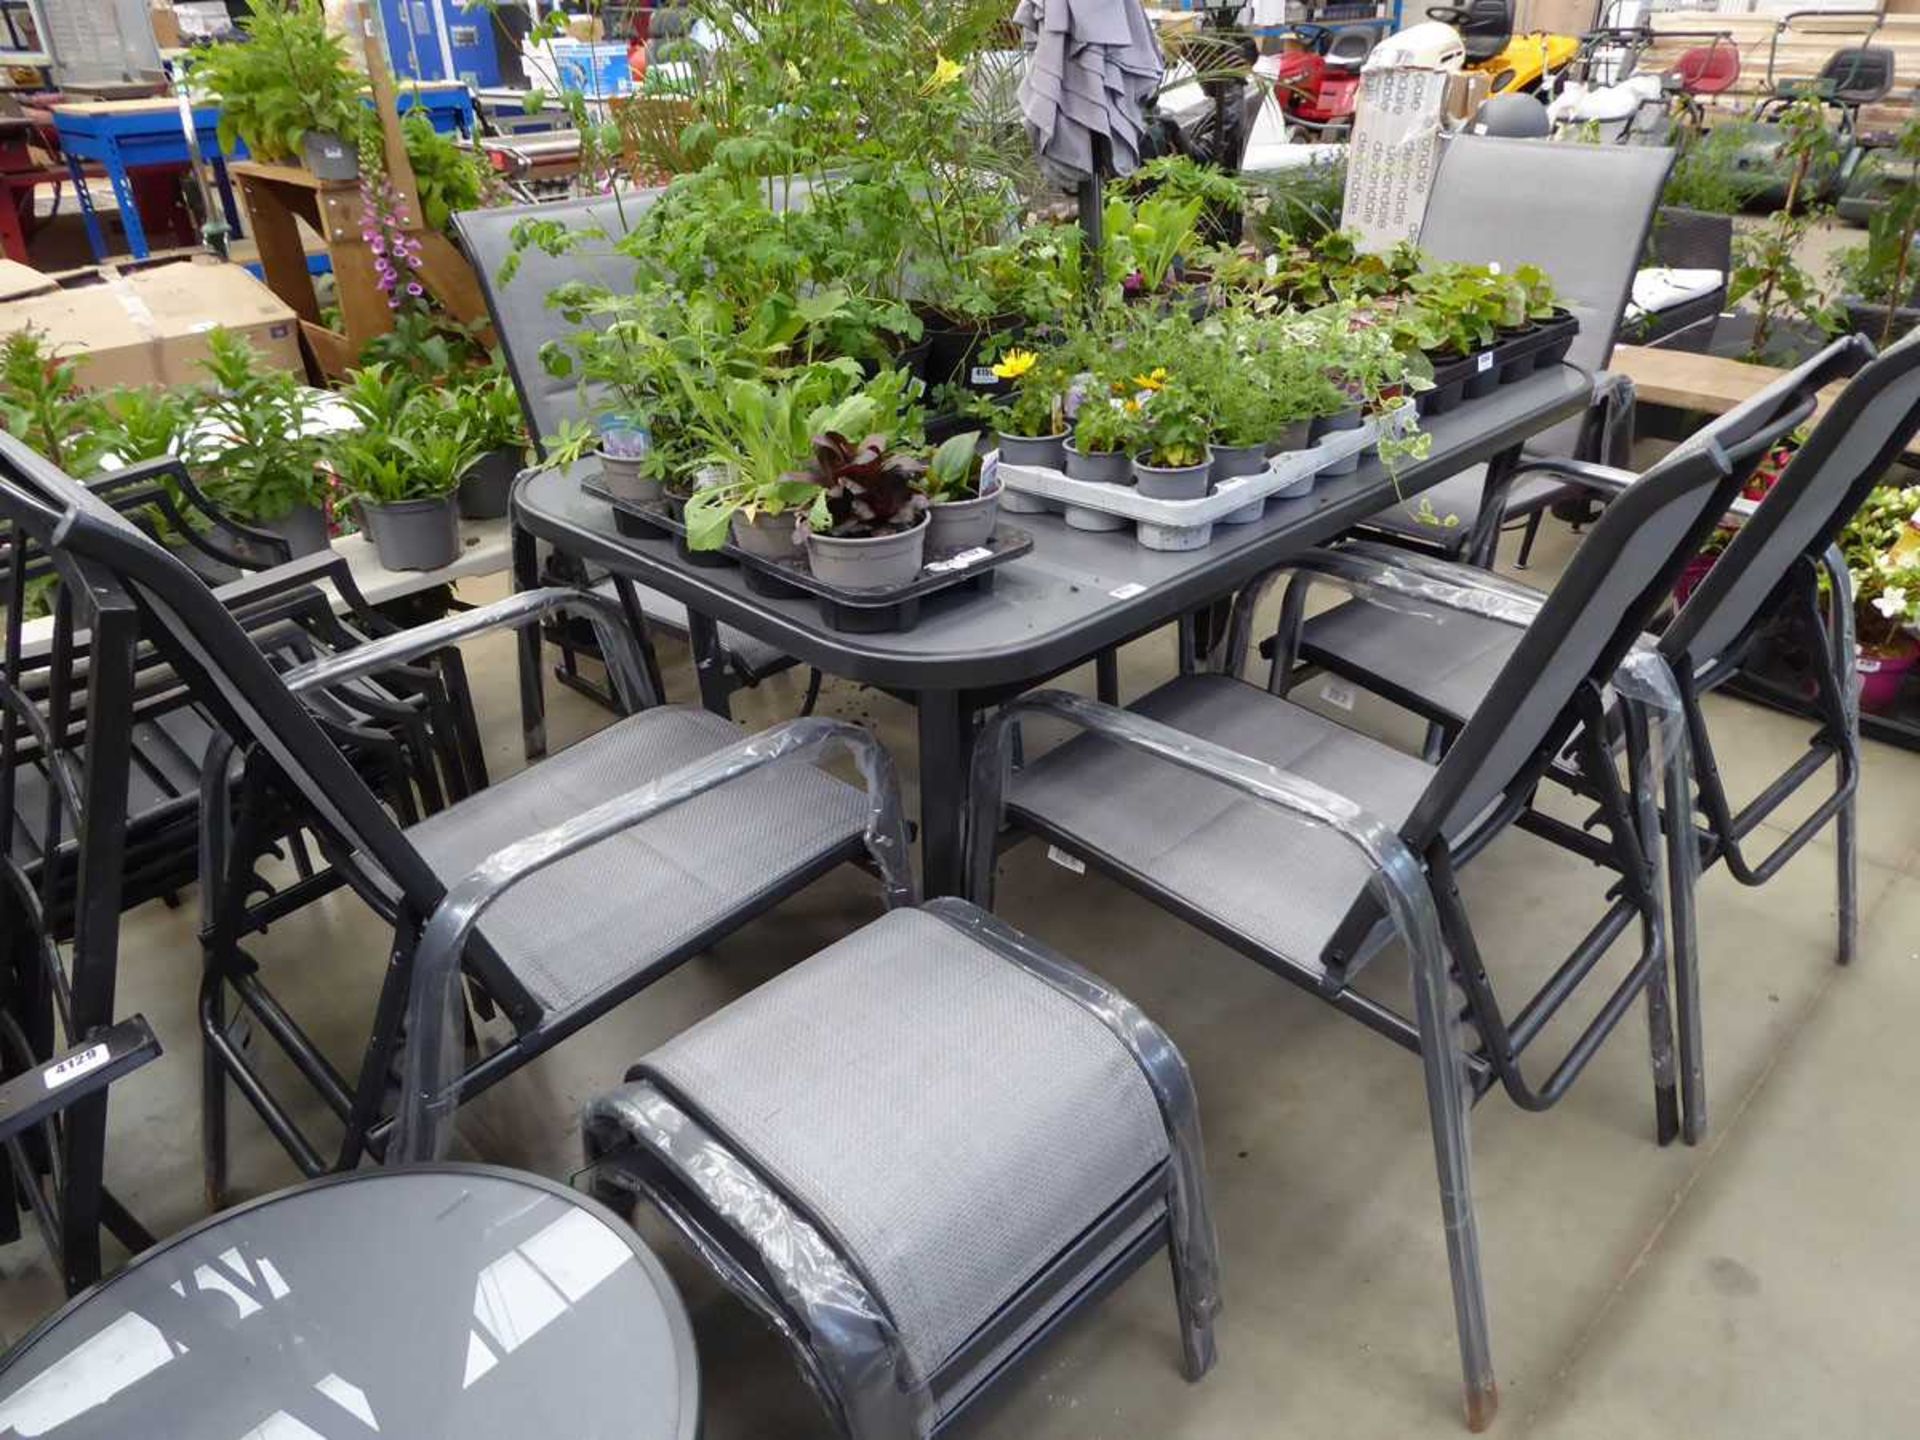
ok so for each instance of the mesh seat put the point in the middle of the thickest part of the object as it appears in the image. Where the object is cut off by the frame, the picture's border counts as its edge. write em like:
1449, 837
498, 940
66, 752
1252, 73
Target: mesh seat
1213, 847
1448, 663
966, 1123
568, 934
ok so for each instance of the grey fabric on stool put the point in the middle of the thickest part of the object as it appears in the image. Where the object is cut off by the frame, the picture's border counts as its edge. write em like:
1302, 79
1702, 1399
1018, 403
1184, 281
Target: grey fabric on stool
967, 1136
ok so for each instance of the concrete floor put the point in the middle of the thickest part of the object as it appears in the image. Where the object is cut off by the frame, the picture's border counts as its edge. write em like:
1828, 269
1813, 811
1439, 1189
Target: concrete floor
1759, 1285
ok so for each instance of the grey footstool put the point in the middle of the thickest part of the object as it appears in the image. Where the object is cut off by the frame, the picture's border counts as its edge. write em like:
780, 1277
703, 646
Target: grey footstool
916, 1153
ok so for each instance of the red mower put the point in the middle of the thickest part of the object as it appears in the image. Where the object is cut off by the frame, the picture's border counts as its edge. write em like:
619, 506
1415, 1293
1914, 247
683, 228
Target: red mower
1316, 78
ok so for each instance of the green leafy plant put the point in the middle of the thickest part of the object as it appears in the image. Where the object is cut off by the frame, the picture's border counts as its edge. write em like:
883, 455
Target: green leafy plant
1180, 177
449, 177
1038, 394
1175, 426
953, 470
257, 444
1884, 564
144, 424
1145, 239
410, 444
1107, 426
1707, 175
289, 76
1885, 270
1300, 205
43, 404
1766, 264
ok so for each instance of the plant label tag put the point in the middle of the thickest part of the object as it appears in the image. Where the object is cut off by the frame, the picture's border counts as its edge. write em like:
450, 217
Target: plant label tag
1338, 695
74, 1066
961, 560
1484, 363
983, 376
1066, 861
1128, 591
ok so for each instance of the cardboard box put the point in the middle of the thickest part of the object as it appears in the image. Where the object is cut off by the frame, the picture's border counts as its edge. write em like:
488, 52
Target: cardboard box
1466, 93
166, 25
1555, 17
1390, 163
149, 327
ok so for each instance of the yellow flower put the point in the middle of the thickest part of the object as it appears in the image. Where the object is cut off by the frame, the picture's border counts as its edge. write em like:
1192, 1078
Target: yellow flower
945, 72
1132, 407
793, 72
1015, 363
1155, 379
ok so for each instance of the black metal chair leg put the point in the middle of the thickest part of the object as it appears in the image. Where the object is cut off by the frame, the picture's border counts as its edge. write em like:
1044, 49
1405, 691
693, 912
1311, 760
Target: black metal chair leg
814, 679
1527, 538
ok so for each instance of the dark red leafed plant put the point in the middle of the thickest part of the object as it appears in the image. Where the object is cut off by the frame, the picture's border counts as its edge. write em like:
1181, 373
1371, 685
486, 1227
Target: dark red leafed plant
865, 488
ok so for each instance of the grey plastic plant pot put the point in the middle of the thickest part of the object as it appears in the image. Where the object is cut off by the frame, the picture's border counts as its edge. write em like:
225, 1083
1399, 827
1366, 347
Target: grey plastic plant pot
304, 528
1112, 467
329, 157
1232, 461
1047, 450
1173, 482
962, 524
1297, 436
484, 493
771, 537
414, 534
621, 475
877, 562
1348, 419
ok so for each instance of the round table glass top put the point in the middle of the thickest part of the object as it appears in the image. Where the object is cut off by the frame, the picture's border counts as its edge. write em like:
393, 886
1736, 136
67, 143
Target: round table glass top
455, 1302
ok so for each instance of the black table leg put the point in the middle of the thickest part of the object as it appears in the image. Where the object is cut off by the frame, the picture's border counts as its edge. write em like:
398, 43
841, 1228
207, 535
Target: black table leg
946, 752
1485, 544
710, 664
533, 694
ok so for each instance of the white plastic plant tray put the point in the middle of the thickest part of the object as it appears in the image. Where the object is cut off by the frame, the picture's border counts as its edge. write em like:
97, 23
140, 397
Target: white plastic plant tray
1188, 524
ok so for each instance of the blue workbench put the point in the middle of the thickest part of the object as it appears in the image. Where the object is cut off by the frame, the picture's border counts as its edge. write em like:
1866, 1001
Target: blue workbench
123, 135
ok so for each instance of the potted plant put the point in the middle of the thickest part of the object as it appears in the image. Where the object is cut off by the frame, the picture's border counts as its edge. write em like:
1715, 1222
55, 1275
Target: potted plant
867, 526
288, 91
1882, 546
963, 511
402, 467
257, 445
1033, 428
1880, 280
1176, 459
491, 411
44, 405
1105, 434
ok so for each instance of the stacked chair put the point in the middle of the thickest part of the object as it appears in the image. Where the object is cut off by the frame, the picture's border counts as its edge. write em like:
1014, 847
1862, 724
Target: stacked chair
918, 1152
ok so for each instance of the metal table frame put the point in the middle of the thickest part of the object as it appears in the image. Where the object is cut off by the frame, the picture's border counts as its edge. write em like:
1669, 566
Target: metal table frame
1076, 596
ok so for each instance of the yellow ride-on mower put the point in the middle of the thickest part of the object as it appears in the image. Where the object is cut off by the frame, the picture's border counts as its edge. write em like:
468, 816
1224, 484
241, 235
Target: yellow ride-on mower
1514, 64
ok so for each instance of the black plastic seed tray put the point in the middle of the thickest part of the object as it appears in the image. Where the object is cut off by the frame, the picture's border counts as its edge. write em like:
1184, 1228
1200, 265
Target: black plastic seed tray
1511, 359
863, 612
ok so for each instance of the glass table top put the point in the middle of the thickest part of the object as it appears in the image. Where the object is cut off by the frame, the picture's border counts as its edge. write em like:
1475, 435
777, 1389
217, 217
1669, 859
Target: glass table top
457, 1302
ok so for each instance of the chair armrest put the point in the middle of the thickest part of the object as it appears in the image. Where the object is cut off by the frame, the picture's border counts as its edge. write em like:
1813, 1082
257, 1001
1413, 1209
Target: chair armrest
618, 647
1588, 473
172, 467
430, 1090
1398, 873
86, 1069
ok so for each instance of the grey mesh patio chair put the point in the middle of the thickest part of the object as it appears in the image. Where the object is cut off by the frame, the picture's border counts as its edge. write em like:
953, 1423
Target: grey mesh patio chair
1773, 566
1581, 213
1194, 798
918, 1153
563, 950
524, 323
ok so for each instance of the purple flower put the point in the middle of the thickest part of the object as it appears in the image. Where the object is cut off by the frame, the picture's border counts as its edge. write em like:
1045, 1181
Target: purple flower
415, 289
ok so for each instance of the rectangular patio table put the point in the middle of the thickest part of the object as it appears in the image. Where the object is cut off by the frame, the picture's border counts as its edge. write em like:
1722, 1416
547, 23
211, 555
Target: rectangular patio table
1077, 594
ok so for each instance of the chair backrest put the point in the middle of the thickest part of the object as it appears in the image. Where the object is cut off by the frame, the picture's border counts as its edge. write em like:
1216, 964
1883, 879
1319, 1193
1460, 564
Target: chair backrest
1708, 69
1486, 30
522, 319
212, 653
1579, 212
1829, 477
1610, 590
1860, 75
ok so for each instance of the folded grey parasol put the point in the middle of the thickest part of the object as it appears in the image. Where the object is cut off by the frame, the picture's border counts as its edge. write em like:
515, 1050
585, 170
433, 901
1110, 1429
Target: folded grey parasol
1093, 65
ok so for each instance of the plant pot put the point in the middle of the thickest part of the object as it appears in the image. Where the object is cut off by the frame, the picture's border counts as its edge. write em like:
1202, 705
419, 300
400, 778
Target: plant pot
414, 534
1047, 451
304, 528
328, 157
1325, 425
952, 350
1079, 517
1297, 436
877, 562
1482, 382
483, 495
770, 537
961, 524
1111, 467
1230, 462
1173, 482
621, 475
1883, 671
1870, 320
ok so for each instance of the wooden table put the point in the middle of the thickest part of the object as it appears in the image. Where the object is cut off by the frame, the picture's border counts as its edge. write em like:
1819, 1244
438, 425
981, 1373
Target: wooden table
1709, 384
